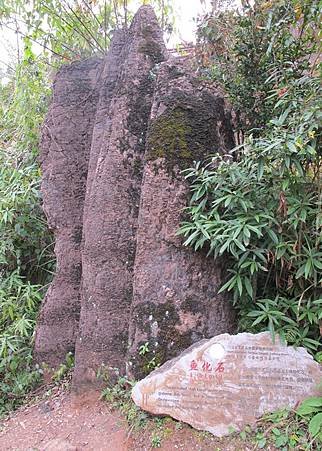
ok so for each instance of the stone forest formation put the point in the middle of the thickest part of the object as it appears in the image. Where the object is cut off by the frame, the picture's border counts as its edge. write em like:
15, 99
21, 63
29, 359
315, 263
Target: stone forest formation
117, 135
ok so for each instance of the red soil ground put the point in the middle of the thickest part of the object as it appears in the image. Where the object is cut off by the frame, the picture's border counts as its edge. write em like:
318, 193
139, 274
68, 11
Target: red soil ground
60, 422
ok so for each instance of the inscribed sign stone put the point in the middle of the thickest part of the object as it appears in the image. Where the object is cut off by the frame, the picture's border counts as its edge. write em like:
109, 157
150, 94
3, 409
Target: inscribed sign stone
229, 381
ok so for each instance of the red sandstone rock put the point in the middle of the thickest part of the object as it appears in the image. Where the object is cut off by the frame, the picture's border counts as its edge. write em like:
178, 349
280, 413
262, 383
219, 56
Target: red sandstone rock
65, 146
112, 122
111, 66
175, 290
112, 205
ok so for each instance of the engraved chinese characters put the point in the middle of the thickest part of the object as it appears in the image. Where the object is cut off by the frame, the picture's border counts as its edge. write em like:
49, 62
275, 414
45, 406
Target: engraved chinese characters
229, 381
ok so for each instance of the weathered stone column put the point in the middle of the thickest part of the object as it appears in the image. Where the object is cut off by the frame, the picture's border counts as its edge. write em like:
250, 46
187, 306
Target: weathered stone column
175, 291
118, 133
65, 148
111, 68
112, 204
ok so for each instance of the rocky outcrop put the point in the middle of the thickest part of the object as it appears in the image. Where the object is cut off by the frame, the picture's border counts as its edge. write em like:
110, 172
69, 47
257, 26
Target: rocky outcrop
126, 126
112, 205
65, 149
175, 290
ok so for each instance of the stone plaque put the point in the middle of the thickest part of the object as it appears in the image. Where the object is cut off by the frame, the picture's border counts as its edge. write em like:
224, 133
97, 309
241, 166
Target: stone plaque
229, 381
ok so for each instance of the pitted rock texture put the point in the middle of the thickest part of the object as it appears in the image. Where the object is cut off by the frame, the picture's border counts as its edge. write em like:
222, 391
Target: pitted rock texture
175, 291
126, 126
65, 149
229, 381
112, 205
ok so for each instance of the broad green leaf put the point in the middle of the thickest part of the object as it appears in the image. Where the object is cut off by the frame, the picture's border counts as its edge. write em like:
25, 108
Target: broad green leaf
315, 425
239, 285
273, 236
310, 405
248, 286
261, 443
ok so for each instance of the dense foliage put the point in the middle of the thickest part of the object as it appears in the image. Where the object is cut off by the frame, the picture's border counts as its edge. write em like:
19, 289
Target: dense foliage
240, 50
71, 30
260, 206
25, 243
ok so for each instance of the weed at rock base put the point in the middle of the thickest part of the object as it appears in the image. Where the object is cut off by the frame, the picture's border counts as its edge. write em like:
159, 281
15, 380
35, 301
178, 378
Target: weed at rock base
118, 395
288, 430
155, 441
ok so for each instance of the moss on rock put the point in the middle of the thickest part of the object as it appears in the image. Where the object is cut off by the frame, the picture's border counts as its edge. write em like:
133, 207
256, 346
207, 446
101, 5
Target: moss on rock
165, 342
168, 137
184, 133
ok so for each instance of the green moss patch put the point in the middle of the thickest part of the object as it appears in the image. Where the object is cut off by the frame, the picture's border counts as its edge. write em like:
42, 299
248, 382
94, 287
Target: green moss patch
167, 344
184, 133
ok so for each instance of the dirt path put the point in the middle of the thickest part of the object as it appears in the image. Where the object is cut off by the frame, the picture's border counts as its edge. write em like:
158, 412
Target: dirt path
61, 422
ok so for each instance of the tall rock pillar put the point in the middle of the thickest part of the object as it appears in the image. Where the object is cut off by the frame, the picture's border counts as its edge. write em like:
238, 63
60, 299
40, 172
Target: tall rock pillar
117, 136
65, 148
175, 290
112, 205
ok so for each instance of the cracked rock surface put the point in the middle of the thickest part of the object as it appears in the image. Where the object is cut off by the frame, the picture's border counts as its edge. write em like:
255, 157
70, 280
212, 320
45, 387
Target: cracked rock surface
117, 135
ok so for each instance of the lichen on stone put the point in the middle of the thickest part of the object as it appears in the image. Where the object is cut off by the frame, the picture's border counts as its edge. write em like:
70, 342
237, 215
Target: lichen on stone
185, 131
165, 343
169, 137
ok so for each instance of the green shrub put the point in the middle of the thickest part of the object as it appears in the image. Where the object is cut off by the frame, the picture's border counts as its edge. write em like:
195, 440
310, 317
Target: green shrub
240, 48
26, 257
19, 303
259, 207
311, 409
288, 429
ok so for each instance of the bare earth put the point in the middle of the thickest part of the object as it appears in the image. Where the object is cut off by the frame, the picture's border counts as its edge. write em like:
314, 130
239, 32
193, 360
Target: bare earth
62, 422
